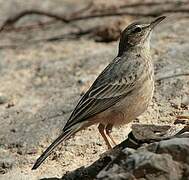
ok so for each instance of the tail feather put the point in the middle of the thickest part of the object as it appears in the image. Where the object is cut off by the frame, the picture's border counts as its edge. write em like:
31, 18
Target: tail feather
48, 151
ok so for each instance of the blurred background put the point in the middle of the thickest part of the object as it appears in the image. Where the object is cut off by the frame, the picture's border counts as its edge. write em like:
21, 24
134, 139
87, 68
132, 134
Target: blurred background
51, 52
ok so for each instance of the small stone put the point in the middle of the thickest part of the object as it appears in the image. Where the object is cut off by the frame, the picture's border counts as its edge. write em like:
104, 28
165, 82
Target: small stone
9, 105
32, 151
185, 102
6, 163
3, 99
80, 82
13, 130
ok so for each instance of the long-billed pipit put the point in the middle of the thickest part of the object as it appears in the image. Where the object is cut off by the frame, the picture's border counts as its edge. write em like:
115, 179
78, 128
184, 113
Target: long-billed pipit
120, 93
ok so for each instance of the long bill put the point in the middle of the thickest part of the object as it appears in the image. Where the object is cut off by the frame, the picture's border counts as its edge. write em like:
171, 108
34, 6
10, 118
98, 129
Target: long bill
156, 21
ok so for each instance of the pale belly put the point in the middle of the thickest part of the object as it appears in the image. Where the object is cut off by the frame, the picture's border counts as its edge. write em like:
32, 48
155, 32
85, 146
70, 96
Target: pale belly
128, 108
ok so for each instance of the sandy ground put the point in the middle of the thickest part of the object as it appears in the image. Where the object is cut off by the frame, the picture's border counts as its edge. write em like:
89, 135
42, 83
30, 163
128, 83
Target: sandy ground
42, 80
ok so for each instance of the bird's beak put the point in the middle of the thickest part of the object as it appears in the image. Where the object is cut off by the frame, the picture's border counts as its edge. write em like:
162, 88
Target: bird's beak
156, 21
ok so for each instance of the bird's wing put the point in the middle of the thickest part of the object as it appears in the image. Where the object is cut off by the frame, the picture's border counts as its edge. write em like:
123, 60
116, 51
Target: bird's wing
106, 91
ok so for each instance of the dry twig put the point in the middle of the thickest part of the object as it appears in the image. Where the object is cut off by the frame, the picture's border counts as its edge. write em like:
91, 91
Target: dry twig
171, 74
77, 16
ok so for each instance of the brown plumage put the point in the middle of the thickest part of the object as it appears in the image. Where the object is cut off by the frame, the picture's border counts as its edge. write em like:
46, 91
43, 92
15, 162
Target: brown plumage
120, 93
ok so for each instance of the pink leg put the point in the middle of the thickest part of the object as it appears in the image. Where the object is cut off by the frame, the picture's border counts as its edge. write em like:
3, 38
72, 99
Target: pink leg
101, 129
108, 133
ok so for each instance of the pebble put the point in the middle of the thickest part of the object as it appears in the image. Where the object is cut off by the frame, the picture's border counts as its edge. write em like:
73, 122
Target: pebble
3, 99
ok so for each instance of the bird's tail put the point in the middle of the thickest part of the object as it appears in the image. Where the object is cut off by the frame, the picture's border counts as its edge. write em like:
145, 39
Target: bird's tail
48, 151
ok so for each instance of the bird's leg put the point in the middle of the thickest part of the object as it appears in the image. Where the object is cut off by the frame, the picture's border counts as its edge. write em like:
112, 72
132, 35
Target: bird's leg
108, 133
101, 129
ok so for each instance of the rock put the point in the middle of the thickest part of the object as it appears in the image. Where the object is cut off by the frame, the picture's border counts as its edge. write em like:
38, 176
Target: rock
177, 148
142, 164
164, 159
166, 162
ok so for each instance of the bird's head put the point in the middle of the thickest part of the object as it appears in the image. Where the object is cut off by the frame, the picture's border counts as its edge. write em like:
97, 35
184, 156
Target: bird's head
137, 34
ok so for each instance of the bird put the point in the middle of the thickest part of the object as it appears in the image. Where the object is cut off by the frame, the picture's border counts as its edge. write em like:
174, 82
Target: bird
121, 92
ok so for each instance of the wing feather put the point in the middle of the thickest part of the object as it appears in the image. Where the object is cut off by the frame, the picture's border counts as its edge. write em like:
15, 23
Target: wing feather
105, 92
97, 101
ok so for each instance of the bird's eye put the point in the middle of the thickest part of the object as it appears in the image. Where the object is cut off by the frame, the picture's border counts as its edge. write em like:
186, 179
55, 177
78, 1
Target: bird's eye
137, 29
